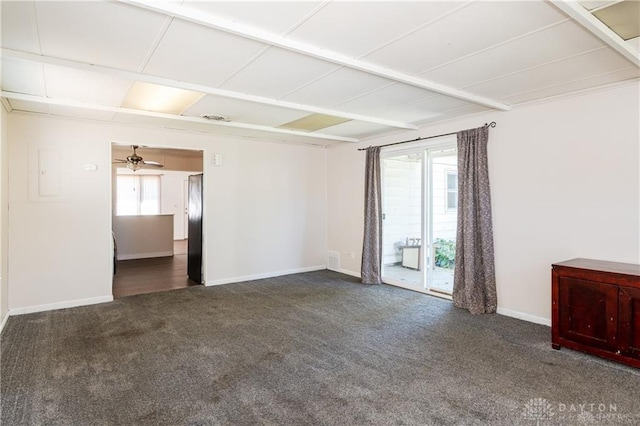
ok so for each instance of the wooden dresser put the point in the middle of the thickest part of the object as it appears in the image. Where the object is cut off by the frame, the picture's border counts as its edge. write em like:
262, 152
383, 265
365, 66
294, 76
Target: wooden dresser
596, 308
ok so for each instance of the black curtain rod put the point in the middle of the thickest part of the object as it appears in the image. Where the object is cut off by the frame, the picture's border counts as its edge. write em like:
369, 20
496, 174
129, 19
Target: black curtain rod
492, 124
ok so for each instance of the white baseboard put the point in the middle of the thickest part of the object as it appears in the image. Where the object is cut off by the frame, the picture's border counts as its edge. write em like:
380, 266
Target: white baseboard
145, 255
60, 305
524, 317
265, 275
348, 272
4, 321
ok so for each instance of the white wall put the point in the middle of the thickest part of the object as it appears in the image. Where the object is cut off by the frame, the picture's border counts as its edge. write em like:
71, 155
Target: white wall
4, 216
264, 209
565, 184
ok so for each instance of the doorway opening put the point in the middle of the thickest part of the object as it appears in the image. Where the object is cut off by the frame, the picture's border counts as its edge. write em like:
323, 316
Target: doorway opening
150, 219
419, 204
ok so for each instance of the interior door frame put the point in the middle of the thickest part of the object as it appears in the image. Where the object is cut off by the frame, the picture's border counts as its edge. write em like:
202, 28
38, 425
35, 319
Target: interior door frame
205, 172
427, 150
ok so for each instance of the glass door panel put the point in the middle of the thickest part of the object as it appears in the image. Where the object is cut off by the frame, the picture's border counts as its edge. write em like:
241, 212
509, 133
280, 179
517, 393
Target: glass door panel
442, 219
420, 210
402, 251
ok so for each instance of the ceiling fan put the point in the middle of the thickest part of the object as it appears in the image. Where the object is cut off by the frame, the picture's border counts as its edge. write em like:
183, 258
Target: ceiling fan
135, 162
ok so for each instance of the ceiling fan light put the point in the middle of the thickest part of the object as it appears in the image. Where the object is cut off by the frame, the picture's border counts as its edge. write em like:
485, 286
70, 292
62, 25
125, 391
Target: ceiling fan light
134, 166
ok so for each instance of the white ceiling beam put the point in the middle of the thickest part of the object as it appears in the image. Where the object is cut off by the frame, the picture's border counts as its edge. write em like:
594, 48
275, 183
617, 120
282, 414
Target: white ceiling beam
131, 75
130, 111
200, 18
583, 17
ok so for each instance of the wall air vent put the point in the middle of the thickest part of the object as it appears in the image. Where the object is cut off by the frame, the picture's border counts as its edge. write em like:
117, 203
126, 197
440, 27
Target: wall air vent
333, 260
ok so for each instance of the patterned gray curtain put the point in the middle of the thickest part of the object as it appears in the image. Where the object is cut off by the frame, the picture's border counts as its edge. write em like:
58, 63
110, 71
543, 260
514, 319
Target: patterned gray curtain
372, 243
474, 283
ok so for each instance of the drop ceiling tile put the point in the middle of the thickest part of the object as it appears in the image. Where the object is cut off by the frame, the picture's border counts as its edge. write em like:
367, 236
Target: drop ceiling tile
19, 29
187, 125
453, 113
27, 106
476, 27
355, 129
337, 87
218, 105
384, 101
85, 86
262, 136
277, 73
622, 75
73, 112
105, 33
357, 27
562, 72
622, 17
139, 120
594, 4
428, 108
528, 51
272, 116
22, 77
197, 54
282, 15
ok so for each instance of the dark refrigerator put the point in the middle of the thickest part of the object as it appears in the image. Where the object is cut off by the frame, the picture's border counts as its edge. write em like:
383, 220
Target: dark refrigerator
194, 248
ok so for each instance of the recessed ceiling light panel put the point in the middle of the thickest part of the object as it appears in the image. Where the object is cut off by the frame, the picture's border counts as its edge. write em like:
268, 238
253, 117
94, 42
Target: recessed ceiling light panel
623, 18
156, 98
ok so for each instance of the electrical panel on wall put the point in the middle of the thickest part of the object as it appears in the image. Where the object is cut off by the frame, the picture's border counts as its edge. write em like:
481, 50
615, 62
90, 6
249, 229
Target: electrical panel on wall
48, 174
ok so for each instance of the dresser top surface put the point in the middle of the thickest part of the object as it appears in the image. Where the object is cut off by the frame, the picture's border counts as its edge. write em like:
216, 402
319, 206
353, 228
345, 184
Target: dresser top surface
602, 266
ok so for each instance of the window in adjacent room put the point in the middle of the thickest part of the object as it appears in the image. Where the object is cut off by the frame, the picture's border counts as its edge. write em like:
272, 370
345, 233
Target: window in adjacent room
138, 195
452, 190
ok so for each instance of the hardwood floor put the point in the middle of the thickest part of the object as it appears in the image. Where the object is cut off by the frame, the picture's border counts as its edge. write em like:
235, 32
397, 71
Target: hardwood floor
140, 276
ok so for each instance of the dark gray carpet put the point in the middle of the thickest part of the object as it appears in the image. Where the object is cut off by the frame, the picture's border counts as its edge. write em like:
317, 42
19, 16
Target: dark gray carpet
314, 348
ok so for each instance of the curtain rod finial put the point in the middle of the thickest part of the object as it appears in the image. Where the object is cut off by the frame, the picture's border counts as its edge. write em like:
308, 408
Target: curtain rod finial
492, 124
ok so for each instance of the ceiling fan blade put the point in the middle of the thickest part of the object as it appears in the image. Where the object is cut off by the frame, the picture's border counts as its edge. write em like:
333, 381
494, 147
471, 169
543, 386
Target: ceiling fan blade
117, 160
152, 163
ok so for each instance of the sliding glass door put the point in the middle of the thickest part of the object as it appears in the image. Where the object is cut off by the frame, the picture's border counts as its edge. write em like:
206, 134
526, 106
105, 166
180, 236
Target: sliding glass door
419, 193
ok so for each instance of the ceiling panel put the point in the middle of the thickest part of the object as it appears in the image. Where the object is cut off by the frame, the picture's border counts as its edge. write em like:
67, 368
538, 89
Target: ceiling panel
478, 26
355, 129
584, 66
88, 114
428, 108
267, 136
272, 116
594, 4
193, 127
454, 113
19, 30
194, 53
383, 102
528, 51
85, 86
29, 106
217, 105
277, 73
357, 27
22, 77
104, 33
282, 15
626, 74
139, 120
337, 87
